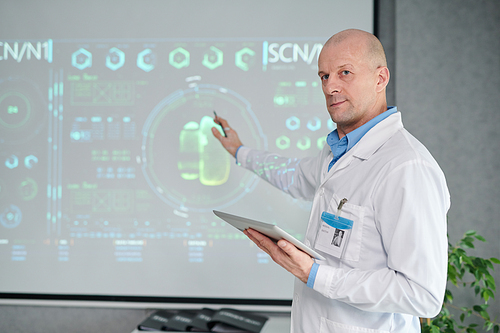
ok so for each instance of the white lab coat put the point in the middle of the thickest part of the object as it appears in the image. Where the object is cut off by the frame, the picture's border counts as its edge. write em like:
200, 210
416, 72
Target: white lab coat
394, 268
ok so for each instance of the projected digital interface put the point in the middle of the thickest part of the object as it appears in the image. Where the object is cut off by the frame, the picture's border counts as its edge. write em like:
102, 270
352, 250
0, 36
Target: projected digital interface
108, 159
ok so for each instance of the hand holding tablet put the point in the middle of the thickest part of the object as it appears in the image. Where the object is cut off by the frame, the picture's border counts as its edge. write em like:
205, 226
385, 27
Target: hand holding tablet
270, 230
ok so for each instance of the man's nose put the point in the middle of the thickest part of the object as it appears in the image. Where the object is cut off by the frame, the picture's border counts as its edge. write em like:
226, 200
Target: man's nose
332, 86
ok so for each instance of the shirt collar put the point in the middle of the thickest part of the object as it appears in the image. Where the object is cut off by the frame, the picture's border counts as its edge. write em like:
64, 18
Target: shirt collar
353, 137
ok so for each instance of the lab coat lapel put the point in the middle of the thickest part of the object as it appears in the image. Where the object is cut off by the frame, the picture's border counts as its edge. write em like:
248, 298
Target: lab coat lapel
342, 163
368, 144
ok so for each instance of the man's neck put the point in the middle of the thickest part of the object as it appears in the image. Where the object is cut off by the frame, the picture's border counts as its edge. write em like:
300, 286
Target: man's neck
344, 130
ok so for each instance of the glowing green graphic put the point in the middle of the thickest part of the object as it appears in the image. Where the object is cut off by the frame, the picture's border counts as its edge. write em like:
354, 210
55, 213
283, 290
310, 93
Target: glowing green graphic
81, 59
214, 59
240, 58
304, 143
115, 59
195, 174
108, 93
321, 142
144, 60
12, 109
28, 189
283, 142
190, 150
202, 157
15, 115
179, 58
284, 100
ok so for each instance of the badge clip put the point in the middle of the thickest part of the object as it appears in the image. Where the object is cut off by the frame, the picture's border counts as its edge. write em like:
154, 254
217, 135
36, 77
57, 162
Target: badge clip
336, 221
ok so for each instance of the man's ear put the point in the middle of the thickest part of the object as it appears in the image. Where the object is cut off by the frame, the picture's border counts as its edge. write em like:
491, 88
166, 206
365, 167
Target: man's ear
383, 77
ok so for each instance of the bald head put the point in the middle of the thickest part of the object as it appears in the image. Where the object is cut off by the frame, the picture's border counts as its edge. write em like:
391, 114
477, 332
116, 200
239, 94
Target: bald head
354, 76
371, 47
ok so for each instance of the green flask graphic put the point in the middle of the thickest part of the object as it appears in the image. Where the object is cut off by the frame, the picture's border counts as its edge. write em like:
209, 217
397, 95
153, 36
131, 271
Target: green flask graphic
202, 156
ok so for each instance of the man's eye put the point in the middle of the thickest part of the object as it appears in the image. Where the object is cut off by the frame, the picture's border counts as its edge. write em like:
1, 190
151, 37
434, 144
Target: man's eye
346, 72
324, 77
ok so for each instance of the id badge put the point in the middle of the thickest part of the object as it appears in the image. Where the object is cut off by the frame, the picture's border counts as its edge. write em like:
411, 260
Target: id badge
333, 234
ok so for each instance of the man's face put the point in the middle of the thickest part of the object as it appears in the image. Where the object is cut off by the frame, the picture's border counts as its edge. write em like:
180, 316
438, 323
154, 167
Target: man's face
349, 84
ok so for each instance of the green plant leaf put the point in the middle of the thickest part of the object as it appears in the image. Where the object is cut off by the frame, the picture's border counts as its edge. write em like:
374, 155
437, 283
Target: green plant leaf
485, 315
491, 282
466, 271
485, 295
495, 260
481, 238
468, 245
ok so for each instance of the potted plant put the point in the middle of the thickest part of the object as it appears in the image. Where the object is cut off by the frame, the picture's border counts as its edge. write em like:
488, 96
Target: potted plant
471, 274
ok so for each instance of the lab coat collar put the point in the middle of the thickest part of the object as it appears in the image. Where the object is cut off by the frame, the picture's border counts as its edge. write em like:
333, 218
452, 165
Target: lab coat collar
377, 136
369, 143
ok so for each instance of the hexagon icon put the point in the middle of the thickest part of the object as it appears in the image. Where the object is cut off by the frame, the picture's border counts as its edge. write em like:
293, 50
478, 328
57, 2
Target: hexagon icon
316, 126
179, 58
320, 143
12, 162
145, 60
283, 142
81, 59
304, 143
30, 161
242, 56
115, 59
293, 123
213, 59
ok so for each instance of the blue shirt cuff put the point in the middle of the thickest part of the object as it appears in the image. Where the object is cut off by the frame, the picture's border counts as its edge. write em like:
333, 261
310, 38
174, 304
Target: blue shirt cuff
236, 154
312, 275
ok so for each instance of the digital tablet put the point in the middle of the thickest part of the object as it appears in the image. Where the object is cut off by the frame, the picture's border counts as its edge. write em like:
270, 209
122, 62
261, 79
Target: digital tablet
270, 230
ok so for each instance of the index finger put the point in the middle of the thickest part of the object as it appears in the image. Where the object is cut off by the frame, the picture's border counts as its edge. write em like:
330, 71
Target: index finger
223, 122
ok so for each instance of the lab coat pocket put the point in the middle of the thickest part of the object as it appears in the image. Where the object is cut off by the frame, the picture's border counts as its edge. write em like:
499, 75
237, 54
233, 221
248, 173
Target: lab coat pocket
328, 326
354, 240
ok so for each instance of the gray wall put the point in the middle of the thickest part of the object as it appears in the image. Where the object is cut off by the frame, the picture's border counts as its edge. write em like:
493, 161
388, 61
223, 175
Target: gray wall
445, 57
448, 89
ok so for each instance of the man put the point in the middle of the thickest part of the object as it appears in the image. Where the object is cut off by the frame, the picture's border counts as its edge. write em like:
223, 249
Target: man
380, 179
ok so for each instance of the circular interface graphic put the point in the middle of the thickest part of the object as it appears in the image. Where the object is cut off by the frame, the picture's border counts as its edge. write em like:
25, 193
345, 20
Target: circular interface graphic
183, 163
28, 189
22, 110
10, 216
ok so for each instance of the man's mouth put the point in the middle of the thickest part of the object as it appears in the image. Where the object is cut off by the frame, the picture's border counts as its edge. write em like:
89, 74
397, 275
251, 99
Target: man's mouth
337, 103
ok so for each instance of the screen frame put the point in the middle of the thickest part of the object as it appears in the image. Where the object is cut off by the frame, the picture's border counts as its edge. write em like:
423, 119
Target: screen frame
145, 302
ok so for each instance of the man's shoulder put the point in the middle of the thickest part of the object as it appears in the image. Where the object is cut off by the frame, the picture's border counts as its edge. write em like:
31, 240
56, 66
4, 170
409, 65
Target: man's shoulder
403, 147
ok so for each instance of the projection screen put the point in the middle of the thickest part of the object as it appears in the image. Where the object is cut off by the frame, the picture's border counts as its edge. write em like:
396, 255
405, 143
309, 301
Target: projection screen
109, 171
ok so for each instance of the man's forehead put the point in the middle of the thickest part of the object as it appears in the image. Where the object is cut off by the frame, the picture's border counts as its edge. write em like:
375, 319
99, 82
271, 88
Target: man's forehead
341, 55
338, 60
